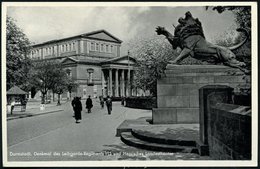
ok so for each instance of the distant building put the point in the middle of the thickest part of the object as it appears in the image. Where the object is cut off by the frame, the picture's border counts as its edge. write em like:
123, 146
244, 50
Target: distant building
93, 60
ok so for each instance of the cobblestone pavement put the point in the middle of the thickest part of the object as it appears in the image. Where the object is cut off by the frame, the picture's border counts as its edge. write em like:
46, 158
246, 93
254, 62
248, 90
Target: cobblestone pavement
55, 137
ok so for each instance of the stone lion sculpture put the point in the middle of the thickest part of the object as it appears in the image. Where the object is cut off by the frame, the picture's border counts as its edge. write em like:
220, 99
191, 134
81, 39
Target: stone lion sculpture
189, 36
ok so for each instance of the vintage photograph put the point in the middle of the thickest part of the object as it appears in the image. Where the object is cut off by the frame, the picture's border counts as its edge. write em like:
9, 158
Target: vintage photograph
88, 84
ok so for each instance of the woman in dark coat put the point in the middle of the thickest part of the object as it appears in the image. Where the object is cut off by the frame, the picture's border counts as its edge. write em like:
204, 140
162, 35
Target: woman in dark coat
77, 106
89, 104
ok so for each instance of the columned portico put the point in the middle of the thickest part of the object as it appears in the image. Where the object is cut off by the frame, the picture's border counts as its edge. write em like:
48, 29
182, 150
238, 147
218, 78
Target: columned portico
118, 75
118, 82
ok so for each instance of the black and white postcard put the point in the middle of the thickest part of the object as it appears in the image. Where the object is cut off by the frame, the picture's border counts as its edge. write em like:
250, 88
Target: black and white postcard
129, 84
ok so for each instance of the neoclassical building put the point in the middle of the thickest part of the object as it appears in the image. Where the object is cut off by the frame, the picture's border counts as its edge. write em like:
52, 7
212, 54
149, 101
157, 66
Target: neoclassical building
93, 60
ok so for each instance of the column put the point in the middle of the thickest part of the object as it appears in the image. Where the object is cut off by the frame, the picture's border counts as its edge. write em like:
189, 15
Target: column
116, 83
42, 55
57, 50
102, 81
129, 83
81, 46
122, 83
110, 82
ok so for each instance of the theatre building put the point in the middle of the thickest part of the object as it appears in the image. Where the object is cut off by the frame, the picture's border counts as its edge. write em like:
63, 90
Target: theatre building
93, 60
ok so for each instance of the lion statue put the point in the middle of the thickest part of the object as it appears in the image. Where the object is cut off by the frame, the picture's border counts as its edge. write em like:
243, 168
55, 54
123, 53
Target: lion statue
189, 36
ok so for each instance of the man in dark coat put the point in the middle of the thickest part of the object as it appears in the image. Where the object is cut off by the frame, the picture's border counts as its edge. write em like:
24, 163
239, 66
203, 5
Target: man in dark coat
77, 107
109, 104
72, 104
89, 104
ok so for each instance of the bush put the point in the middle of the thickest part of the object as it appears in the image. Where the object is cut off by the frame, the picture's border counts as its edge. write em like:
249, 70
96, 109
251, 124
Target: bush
141, 102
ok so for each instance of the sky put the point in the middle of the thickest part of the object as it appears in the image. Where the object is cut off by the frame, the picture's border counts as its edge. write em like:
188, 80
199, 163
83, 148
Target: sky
41, 23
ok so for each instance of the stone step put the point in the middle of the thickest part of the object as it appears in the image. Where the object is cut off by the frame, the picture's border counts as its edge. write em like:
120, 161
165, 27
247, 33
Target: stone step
130, 140
149, 137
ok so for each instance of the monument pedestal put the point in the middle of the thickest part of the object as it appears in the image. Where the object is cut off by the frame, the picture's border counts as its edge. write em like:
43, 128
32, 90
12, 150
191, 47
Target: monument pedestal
178, 92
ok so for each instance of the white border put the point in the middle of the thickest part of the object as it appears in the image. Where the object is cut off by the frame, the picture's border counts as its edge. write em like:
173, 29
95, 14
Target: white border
185, 163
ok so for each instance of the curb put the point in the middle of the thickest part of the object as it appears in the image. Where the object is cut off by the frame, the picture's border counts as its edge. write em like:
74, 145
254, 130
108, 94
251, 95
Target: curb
31, 115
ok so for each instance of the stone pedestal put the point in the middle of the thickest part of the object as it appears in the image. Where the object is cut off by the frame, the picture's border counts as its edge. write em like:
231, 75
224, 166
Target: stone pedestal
178, 92
211, 95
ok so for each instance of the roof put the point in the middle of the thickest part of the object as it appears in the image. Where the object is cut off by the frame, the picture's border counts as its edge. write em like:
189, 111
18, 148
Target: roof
81, 59
80, 36
119, 58
16, 91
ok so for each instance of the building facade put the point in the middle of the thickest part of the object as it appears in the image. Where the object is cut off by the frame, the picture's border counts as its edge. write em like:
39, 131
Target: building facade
93, 61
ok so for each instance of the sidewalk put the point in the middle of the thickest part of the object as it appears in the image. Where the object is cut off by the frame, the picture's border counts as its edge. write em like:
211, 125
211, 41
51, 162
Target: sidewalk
33, 109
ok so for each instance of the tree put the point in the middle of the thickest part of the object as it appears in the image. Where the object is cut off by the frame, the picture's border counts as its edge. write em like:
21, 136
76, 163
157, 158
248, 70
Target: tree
17, 49
152, 55
243, 20
47, 76
60, 81
242, 14
71, 86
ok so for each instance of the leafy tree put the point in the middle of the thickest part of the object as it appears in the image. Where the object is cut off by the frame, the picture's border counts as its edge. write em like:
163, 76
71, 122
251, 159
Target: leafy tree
71, 85
243, 20
45, 77
152, 55
242, 14
17, 63
60, 81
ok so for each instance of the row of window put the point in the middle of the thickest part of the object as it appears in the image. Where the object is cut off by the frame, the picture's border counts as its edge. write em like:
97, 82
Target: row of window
52, 50
69, 47
101, 47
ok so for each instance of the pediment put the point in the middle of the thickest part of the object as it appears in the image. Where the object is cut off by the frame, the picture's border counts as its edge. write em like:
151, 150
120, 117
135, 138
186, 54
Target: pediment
68, 61
104, 36
121, 60
125, 61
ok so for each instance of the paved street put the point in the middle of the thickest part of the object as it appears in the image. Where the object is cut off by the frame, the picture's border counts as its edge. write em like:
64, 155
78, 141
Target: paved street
56, 136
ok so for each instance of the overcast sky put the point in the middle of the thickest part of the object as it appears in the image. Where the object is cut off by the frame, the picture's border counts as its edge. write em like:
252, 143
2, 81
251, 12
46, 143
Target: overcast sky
42, 24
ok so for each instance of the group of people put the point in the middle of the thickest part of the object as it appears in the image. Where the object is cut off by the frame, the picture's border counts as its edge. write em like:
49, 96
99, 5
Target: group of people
77, 106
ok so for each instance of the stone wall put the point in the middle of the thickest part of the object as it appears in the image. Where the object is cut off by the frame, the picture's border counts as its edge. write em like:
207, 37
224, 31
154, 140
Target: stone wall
178, 92
229, 134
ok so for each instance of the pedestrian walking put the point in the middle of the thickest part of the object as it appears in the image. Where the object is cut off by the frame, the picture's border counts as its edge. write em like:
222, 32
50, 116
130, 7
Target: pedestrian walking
73, 104
77, 109
123, 101
109, 105
89, 104
101, 99
12, 105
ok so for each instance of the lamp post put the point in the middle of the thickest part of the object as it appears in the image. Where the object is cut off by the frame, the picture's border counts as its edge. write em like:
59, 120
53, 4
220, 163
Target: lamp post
129, 75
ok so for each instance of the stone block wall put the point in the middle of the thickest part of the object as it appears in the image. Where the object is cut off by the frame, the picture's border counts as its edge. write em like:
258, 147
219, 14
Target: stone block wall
178, 92
229, 134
